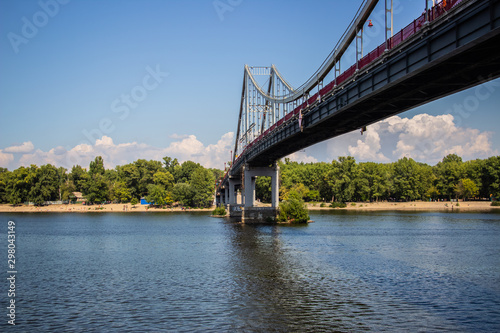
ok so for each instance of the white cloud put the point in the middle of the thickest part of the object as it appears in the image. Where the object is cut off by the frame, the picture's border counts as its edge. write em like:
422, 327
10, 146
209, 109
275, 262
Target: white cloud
424, 138
26, 147
302, 156
185, 148
368, 149
188, 148
5, 159
430, 138
178, 136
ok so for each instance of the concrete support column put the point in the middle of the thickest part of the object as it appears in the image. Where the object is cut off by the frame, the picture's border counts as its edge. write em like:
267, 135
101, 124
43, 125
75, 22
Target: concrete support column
250, 176
275, 186
249, 187
232, 190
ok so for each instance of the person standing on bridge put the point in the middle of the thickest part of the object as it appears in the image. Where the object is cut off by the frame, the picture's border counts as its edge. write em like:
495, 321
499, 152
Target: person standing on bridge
300, 120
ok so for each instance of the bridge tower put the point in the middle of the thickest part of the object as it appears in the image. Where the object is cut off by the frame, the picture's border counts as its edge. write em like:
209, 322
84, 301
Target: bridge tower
257, 114
259, 110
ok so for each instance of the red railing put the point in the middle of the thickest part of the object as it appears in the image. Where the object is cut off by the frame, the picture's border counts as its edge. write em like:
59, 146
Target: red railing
434, 13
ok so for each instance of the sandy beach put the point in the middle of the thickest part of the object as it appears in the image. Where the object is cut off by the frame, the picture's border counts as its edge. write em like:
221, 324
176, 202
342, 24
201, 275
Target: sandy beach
79, 208
361, 206
416, 206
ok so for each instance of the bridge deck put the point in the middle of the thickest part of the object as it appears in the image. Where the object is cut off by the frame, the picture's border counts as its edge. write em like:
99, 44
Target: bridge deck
444, 57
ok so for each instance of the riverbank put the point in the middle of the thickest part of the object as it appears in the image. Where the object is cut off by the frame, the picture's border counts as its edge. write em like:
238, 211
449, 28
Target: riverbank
361, 206
414, 205
79, 208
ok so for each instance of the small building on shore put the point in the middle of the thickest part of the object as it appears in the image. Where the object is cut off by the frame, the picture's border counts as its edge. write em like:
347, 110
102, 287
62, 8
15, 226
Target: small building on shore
78, 197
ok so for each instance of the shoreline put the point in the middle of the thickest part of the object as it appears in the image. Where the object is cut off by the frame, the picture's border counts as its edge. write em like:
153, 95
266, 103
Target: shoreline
79, 208
441, 206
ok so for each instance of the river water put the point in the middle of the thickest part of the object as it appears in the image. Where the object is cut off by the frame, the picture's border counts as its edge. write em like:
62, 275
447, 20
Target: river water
169, 272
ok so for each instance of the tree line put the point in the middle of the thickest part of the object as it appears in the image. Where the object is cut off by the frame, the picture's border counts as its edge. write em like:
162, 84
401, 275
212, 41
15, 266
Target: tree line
345, 180
188, 184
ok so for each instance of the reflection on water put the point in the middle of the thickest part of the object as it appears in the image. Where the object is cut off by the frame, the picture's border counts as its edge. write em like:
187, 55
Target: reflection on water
189, 272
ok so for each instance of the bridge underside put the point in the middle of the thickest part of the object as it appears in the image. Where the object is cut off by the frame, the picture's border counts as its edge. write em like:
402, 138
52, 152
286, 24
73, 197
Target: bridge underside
452, 56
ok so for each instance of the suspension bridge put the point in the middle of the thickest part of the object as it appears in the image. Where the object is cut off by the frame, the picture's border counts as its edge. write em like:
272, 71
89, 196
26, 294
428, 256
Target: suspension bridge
452, 46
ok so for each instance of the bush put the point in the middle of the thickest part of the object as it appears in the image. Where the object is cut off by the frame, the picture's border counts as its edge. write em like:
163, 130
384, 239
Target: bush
323, 204
495, 203
134, 201
338, 205
221, 210
293, 210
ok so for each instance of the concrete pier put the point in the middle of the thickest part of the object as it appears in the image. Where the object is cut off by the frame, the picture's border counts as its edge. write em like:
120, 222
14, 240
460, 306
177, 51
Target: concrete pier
244, 206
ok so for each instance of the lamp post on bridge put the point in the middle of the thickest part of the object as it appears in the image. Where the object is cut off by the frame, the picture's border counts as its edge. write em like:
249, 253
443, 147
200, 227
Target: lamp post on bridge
387, 28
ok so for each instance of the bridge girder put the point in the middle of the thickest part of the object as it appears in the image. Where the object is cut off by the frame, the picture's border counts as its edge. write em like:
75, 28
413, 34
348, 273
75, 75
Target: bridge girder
426, 67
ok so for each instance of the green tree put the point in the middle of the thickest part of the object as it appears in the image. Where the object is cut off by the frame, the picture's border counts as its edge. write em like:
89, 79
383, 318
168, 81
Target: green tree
263, 189
449, 172
377, 180
67, 189
76, 176
111, 175
157, 195
291, 173
341, 178
18, 185
474, 171
319, 172
466, 188
409, 178
96, 189
203, 185
44, 184
97, 166
130, 175
184, 172
120, 192
427, 179
183, 193
299, 190
432, 193
163, 178
170, 164
490, 177
4, 177
146, 170
313, 195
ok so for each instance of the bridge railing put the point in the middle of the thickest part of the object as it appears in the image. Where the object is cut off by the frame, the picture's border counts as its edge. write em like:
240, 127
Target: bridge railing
437, 11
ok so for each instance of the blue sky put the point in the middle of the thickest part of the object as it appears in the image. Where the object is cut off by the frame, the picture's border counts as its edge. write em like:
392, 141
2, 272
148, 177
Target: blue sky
69, 70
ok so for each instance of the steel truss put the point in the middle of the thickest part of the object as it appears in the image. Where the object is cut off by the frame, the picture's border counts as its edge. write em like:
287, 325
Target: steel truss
263, 104
257, 112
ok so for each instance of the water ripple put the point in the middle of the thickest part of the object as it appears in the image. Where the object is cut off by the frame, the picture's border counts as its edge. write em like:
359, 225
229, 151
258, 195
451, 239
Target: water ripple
188, 272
